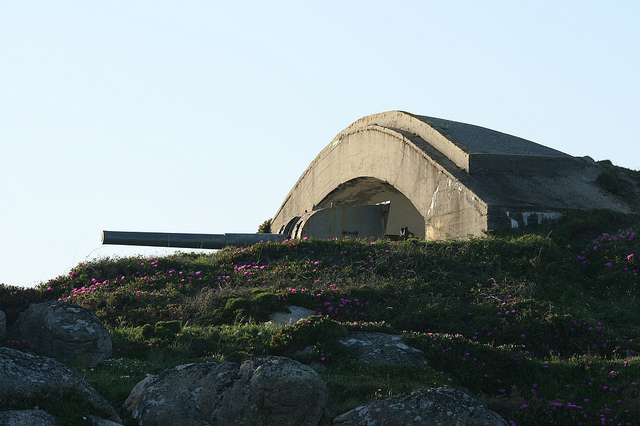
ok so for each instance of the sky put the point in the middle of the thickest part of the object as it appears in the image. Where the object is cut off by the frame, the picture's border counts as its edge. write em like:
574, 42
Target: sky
200, 116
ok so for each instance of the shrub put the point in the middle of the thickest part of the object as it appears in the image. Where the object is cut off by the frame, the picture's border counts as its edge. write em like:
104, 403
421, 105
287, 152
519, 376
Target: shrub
236, 304
267, 300
145, 332
265, 227
14, 300
315, 330
173, 326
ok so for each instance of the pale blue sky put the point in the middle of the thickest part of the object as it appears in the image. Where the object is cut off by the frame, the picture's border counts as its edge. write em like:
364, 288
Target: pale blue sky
200, 116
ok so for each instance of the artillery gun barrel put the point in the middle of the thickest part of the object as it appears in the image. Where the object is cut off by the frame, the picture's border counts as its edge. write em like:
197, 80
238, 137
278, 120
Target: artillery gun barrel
194, 241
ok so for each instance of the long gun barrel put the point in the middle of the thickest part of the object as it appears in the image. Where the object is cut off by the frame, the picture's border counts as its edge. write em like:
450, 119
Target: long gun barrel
194, 241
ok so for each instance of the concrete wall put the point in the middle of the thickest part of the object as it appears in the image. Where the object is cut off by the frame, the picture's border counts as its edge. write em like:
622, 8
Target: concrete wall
366, 191
362, 221
456, 212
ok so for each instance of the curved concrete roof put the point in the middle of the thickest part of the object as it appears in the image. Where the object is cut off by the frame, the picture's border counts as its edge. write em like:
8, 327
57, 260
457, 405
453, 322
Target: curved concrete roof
476, 139
444, 178
472, 148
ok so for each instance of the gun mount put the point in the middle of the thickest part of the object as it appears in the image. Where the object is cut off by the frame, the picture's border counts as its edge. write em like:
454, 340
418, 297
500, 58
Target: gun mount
334, 222
193, 241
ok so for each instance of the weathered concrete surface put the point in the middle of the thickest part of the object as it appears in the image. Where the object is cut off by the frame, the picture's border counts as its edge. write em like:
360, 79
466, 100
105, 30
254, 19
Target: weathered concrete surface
358, 221
444, 178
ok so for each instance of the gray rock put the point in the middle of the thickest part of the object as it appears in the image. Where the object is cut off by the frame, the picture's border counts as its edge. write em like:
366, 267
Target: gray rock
264, 391
383, 348
62, 330
3, 325
296, 314
41, 418
99, 421
26, 417
184, 395
440, 406
27, 373
277, 391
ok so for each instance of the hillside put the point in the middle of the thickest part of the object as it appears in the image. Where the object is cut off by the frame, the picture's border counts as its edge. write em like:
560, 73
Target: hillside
539, 325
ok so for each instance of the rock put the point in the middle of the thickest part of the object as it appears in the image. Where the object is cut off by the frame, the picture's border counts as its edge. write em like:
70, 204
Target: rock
26, 417
439, 406
25, 374
64, 331
183, 395
382, 348
303, 354
3, 325
265, 391
41, 418
297, 313
99, 421
277, 391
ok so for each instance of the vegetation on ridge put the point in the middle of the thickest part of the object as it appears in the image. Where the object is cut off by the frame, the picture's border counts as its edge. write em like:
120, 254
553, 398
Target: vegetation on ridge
537, 325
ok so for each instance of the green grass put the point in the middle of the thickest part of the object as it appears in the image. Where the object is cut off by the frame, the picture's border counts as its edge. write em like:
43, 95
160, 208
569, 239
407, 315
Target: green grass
538, 325
353, 383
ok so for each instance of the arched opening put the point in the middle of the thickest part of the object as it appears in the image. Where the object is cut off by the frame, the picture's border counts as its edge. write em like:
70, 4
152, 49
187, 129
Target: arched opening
368, 190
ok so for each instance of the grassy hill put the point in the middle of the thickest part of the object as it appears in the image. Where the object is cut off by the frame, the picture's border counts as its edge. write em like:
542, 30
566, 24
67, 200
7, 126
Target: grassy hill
539, 326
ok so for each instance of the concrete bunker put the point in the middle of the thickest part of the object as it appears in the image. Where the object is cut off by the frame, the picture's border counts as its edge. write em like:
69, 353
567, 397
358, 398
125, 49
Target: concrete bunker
442, 179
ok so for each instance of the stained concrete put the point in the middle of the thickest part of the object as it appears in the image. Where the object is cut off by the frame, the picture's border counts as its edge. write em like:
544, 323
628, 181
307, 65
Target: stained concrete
444, 178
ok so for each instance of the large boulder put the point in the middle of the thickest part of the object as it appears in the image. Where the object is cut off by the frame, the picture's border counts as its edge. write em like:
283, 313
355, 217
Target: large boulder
3, 325
42, 418
277, 391
26, 417
23, 374
439, 406
184, 395
99, 421
265, 391
64, 331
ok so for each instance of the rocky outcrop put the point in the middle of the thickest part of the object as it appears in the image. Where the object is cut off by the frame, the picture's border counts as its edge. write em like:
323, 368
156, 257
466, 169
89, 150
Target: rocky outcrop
23, 374
382, 348
439, 406
3, 325
264, 391
64, 331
